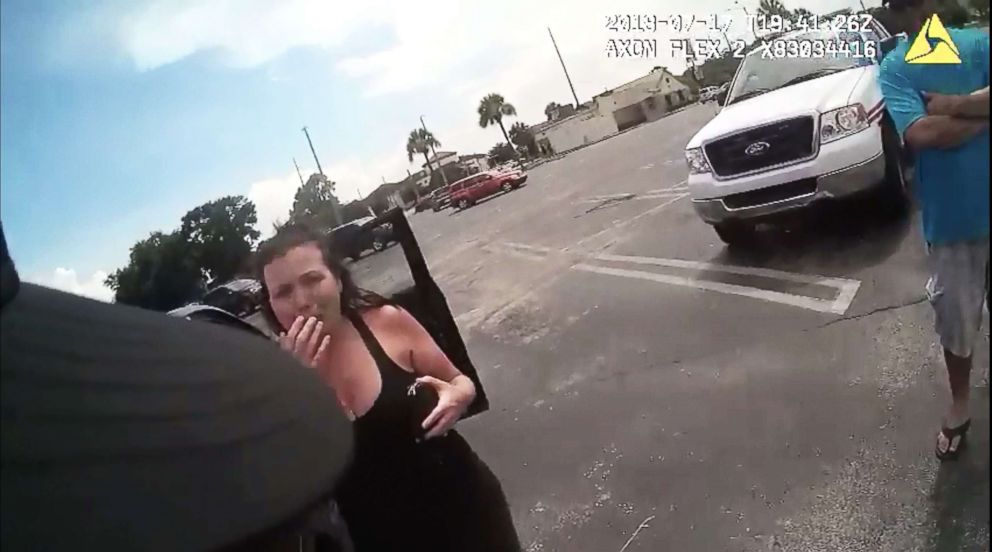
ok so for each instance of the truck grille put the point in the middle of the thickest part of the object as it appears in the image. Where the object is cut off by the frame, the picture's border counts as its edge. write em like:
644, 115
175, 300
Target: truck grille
771, 194
784, 141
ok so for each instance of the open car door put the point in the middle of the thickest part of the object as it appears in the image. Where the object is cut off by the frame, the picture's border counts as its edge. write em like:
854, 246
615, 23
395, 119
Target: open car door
400, 273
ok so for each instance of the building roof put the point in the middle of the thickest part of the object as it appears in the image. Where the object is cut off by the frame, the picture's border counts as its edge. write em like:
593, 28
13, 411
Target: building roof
660, 71
441, 155
473, 156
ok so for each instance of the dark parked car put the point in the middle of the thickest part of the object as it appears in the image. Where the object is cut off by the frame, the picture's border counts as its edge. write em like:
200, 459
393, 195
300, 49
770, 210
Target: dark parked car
214, 315
240, 297
441, 198
352, 239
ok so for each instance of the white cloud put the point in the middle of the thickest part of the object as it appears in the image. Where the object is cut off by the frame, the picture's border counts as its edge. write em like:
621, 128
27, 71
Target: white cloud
440, 57
247, 33
273, 198
67, 280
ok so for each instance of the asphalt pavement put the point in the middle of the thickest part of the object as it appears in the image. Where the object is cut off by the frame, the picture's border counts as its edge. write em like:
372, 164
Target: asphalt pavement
653, 390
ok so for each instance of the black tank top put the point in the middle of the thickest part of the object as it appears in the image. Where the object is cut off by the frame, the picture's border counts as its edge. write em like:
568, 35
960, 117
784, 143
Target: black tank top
406, 493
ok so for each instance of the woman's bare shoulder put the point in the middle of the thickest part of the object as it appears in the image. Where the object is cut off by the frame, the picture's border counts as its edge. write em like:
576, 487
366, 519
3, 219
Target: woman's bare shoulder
390, 317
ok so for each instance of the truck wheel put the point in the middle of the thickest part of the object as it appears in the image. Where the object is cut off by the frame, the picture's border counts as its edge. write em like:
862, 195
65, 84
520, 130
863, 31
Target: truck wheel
507, 186
894, 193
464, 204
378, 245
734, 233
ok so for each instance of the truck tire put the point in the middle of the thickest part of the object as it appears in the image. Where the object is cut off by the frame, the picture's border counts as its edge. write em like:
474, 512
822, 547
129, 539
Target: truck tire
464, 204
734, 233
378, 245
894, 194
508, 186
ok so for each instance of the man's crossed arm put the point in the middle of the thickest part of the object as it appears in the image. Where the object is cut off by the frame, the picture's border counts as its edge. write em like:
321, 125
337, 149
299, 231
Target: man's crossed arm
951, 120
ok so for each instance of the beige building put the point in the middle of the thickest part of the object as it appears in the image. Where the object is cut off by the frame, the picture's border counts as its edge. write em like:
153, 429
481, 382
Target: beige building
642, 100
584, 127
473, 163
645, 99
443, 158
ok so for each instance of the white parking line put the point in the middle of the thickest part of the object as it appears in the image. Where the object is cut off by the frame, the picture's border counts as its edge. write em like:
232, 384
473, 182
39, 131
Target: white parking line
810, 303
629, 197
846, 288
612, 197
673, 188
634, 218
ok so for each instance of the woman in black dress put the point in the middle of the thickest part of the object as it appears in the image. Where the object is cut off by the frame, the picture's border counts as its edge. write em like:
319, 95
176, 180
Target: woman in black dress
415, 483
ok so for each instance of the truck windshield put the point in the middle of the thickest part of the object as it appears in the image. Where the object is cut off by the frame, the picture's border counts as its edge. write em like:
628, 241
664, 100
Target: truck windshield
830, 52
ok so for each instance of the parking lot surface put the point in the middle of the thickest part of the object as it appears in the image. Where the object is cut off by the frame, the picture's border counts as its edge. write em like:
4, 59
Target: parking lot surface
653, 390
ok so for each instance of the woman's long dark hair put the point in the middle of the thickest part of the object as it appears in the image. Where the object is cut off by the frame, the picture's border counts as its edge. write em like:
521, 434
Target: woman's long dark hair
354, 299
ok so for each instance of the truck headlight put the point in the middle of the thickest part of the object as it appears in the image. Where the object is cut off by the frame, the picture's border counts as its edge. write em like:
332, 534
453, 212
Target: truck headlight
839, 123
697, 161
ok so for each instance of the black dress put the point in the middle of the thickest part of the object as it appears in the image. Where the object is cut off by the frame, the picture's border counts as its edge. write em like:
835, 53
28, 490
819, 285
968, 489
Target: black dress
406, 493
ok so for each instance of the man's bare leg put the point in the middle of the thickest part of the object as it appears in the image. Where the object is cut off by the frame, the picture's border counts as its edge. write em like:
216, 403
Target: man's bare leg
958, 375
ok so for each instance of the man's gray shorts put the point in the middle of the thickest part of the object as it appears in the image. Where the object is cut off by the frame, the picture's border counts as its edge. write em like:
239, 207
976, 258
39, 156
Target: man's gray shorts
958, 290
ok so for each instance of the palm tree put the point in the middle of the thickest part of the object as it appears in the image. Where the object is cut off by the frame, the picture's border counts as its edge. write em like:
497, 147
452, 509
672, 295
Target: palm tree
769, 8
492, 108
802, 14
421, 141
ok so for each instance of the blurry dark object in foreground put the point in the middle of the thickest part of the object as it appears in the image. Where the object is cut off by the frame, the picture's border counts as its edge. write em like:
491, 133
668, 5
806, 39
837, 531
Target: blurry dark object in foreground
425, 301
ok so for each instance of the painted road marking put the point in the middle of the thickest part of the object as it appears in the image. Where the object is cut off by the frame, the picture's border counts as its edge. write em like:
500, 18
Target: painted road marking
612, 197
846, 288
633, 219
628, 197
659, 193
801, 301
681, 186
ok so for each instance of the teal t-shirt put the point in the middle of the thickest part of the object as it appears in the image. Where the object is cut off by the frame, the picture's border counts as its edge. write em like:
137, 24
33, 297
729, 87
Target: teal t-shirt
952, 185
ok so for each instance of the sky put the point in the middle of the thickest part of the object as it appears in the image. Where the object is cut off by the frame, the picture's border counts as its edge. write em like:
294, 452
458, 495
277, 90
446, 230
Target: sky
117, 117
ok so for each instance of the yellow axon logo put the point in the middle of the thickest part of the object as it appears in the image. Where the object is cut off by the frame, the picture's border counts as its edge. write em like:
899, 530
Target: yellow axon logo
933, 45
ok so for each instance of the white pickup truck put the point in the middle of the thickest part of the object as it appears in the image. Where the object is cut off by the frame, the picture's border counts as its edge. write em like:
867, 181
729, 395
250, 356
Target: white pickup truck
803, 121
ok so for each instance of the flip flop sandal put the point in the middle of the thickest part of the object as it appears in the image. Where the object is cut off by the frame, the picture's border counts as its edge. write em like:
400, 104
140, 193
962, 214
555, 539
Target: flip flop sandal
950, 433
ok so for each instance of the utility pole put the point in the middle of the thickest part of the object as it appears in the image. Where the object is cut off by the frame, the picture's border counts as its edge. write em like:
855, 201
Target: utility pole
314, 152
298, 173
335, 208
568, 78
434, 150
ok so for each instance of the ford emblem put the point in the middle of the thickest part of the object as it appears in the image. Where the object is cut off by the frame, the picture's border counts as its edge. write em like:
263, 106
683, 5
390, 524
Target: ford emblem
757, 148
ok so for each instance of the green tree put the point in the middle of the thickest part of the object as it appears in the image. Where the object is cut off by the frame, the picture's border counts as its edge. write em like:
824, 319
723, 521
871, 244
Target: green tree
802, 14
769, 8
492, 109
501, 153
421, 141
161, 274
221, 235
315, 203
521, 136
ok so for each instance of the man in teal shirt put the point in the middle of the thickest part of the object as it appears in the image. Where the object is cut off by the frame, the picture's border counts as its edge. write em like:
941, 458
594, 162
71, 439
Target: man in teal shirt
942, 113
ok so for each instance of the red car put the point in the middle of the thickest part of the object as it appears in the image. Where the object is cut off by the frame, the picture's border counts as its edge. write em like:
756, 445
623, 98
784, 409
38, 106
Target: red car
469, 190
